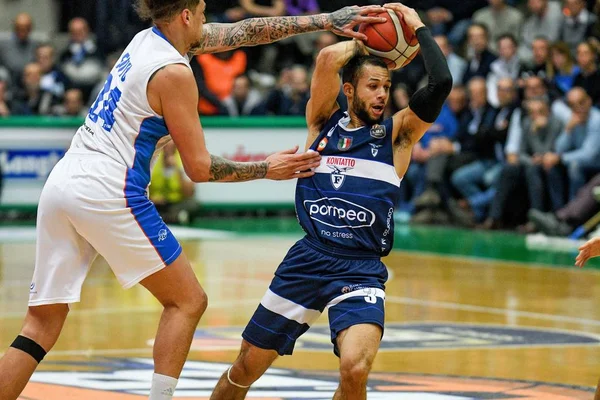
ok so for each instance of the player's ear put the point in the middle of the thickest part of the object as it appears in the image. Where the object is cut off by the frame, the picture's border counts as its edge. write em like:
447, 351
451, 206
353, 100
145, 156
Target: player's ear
348, 89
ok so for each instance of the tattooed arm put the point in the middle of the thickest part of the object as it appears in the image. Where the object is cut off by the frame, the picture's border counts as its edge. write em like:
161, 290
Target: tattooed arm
223, 170
257, 31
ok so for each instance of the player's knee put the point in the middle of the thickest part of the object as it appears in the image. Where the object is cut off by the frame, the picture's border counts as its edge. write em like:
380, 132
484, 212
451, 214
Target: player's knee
43, 324
354, 371
197, 304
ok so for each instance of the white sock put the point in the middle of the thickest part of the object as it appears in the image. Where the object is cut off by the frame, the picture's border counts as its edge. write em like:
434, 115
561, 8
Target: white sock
163, 387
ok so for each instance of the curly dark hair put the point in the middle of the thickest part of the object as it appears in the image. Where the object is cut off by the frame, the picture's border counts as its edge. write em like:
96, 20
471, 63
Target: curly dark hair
163, 10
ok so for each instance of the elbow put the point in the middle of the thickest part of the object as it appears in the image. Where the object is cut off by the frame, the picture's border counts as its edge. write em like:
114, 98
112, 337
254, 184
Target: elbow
199, 172
325, 56
444, 85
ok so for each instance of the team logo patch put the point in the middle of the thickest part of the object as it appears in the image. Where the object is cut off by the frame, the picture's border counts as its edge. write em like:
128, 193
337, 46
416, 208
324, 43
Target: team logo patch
378, 131
130, 379
322, 144
339, 166
344, 143
375, 148
162, 235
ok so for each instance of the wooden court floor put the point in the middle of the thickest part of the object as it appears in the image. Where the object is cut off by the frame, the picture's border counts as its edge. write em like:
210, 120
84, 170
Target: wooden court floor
457, 328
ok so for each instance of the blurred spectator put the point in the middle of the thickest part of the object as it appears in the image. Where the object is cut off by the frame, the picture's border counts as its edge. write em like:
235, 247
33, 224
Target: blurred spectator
565, 69
594, 38
301, 7
589, 76
476, 182
540, 65
333, 5
116, 24
578, 146
244, 99
500, 19
456, 63
20, 49
322, 40
263, 8
446, 18
546, 20
578, 23
80, 61
479, 56
172, 191
53, 79
215, 74
448, 156
574, 214
110, 62
291, 96
532, 137
225, 11
72, 105
4, 103
32, 100
507, 65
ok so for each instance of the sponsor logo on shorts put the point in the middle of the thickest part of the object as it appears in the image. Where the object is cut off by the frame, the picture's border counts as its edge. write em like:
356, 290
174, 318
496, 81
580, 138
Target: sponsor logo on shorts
339, 213
378, 131
162, 235
352, 288
130, 379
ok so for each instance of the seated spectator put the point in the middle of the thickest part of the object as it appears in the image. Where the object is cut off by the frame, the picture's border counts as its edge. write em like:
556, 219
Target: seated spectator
16, 53
53, 79
447, 19
291, 96
476, 182
244, 99
225, 11
589, 75
81, 61
456, 63
507, 65
530, 138
32, 99
594, 34
574, 214
215, 74
172, 191
565, 69
546, 20
540, 64
72, 105
578, 22
500, 19
578, 146
448, 156
479, 57
4, 103
109, 63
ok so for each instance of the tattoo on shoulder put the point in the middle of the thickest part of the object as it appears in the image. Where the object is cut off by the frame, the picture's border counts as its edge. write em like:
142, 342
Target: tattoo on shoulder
225, 170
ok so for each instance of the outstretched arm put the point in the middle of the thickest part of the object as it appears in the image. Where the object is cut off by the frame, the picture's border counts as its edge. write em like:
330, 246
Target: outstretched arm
325, 84
257, 31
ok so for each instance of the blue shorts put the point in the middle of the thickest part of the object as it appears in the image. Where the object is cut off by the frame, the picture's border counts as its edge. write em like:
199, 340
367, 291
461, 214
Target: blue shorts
309, 279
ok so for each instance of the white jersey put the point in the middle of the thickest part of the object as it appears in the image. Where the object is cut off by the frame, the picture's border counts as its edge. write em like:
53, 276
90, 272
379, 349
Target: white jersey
121, 124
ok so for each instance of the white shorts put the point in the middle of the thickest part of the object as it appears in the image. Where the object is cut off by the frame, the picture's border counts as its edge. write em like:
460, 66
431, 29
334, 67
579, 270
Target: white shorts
83, 211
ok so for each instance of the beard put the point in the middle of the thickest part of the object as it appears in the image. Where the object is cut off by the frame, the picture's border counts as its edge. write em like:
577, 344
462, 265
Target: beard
361, 111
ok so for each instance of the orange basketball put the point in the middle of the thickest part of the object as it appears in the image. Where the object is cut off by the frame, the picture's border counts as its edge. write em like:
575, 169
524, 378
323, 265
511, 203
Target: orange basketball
391, 40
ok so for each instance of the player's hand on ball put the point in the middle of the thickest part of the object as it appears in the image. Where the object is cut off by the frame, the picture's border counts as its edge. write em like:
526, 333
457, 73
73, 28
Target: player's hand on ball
344, 20
289, 165
411, 18
590, 249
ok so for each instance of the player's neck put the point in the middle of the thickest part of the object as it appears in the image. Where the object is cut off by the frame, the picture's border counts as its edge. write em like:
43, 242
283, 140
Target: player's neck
355, 122
175, 37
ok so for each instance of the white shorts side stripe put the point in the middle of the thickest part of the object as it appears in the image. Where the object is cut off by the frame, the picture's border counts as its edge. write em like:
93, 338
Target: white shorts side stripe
289, 309
366, 292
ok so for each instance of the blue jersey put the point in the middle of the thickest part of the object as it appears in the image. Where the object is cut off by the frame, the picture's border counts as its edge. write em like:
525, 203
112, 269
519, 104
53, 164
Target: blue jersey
349, 202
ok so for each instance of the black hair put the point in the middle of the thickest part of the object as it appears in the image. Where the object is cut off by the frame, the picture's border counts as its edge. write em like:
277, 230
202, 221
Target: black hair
351, 71
163, 10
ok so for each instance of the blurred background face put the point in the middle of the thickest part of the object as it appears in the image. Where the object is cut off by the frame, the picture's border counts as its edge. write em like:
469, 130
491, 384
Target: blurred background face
78, 30
534, 87
575, 6
559, 59
323, 40
299, 80
477, 93
585, 55
496, 3
537, 109
31, 76
540, 50
537, 6
457, 99
442, 42
477, 38
241, 88
44, 56
400, 97
579, 102
73, 101
506, 49
22, 26
506, 92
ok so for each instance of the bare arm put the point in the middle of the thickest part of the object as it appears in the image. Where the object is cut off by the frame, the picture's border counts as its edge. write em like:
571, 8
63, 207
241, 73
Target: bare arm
178, 107
325, 84
257, 31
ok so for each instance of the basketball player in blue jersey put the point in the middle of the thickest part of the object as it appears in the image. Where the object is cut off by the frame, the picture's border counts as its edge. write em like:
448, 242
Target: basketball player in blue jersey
95, 200
346, 210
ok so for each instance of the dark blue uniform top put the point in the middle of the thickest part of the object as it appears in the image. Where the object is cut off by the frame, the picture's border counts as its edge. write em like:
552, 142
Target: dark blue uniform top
348, 205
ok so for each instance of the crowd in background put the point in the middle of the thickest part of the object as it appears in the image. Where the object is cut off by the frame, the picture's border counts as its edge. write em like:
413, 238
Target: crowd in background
517, 144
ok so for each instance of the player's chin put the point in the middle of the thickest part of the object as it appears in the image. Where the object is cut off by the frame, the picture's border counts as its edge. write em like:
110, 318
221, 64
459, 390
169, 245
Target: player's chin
376, 113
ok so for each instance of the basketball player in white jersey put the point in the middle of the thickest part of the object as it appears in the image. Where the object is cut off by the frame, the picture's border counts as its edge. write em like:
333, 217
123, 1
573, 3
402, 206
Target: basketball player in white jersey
95, 199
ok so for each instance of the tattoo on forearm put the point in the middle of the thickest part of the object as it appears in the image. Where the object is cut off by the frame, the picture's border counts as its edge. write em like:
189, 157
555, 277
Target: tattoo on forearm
225, 170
